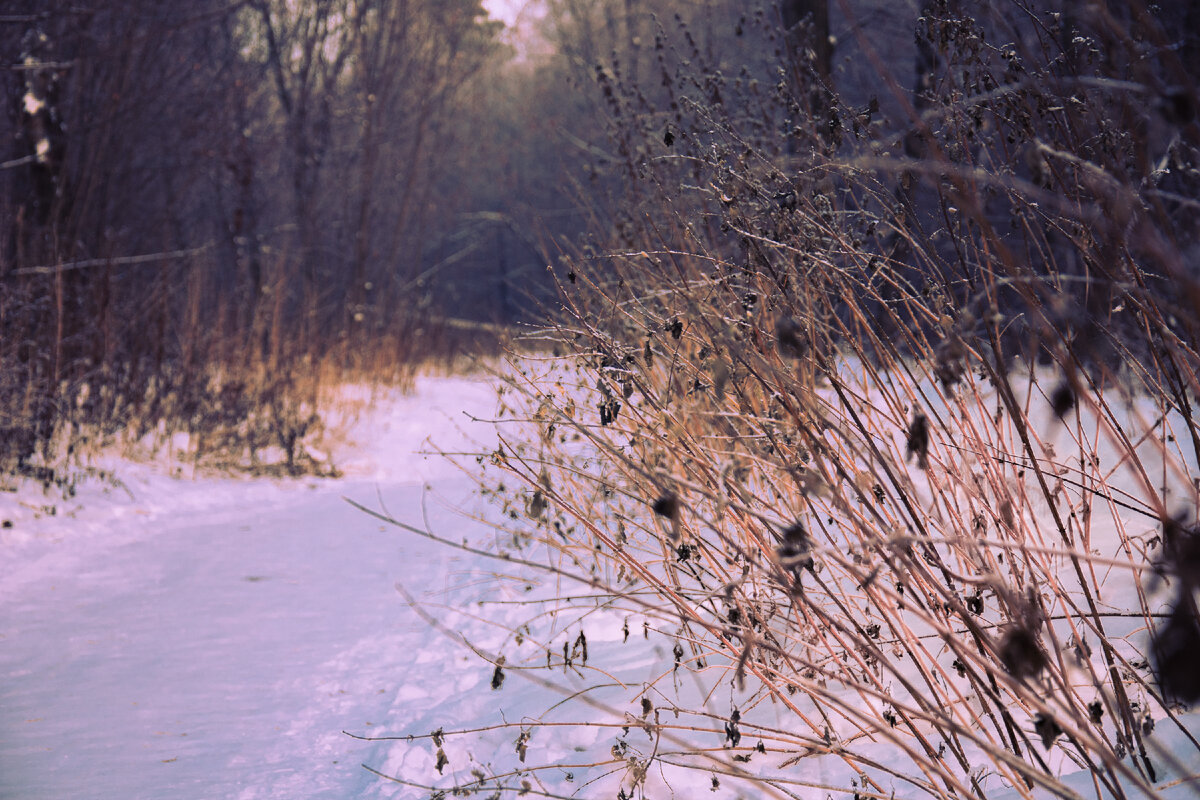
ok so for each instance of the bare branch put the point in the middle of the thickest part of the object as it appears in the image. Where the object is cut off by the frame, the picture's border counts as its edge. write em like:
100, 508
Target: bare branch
120, 261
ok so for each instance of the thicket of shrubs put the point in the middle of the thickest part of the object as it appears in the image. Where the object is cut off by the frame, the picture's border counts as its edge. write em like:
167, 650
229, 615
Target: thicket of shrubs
879, 404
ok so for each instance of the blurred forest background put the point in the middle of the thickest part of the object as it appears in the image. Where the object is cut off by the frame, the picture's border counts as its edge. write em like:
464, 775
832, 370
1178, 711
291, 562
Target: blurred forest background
208, 208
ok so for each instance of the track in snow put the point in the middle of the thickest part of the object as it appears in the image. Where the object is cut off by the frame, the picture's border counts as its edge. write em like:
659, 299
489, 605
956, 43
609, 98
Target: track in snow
212, 638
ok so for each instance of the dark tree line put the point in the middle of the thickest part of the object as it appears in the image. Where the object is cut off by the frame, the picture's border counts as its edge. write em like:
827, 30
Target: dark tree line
195, 189
215, 186
197, 197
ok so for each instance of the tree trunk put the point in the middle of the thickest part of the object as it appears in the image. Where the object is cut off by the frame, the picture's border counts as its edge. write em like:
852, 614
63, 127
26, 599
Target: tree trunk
810, 61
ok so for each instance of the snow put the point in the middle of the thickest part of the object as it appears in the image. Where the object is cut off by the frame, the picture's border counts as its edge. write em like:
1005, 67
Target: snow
214, 637
33, 103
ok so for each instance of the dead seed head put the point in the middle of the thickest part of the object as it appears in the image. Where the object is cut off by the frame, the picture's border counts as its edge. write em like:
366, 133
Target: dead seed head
918, 440
796, 535
1181, 552
795, 551
667, 506
1020, 654
948, 368
1062, 399
790, 336
1175, 649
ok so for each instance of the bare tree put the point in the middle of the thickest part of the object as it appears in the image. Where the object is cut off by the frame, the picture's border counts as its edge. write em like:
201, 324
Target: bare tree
810, 60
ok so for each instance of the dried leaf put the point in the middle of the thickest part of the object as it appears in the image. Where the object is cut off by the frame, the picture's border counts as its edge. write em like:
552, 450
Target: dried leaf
1047, 729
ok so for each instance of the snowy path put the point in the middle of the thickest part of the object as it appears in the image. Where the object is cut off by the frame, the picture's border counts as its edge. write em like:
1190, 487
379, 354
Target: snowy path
211, 639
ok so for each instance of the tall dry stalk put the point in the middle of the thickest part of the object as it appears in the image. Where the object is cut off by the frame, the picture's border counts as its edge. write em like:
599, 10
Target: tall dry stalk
891, 436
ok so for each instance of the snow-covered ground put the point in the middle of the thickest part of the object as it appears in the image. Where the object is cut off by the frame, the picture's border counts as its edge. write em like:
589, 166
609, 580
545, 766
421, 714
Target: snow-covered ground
212, 637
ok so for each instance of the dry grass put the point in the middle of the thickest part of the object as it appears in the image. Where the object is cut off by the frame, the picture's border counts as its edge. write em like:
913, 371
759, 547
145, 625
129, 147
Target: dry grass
219, 398
898, 451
